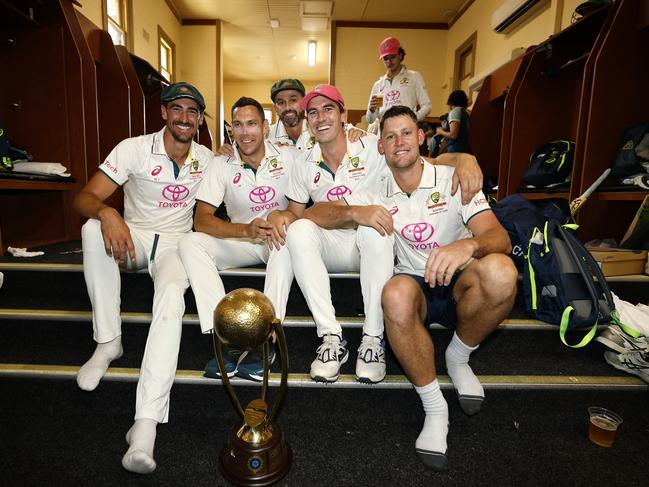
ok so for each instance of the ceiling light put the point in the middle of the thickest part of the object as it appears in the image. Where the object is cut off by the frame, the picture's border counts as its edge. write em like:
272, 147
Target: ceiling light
274, 23
311, 53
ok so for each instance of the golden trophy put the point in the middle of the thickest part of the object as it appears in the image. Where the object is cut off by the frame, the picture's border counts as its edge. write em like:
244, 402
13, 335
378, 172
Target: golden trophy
256, 453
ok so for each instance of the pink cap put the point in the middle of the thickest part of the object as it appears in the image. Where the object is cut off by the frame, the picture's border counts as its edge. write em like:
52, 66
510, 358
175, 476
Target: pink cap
328, 91
389, 45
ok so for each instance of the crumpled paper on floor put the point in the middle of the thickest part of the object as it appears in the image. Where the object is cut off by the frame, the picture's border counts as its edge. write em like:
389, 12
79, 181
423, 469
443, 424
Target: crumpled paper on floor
22, 252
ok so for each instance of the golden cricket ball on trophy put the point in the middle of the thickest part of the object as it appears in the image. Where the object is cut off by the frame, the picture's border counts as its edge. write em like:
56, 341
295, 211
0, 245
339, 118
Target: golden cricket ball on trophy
256, 453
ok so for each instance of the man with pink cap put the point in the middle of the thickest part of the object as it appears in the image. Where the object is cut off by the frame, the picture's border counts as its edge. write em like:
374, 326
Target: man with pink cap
332, 169
398, 86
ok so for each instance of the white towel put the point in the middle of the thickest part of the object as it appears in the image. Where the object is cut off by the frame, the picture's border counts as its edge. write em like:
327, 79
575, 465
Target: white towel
46, 168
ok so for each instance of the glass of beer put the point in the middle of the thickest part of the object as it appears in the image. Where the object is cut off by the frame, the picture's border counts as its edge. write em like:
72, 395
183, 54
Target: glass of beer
602, 426
379, 99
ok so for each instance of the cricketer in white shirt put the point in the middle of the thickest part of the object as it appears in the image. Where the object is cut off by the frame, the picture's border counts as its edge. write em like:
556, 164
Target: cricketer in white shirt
248, 194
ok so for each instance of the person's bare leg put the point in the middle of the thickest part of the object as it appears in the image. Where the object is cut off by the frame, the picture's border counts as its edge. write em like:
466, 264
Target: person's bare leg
404, 308
485, 294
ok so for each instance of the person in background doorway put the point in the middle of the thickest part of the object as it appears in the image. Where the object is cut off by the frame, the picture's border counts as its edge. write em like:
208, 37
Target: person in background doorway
456, 136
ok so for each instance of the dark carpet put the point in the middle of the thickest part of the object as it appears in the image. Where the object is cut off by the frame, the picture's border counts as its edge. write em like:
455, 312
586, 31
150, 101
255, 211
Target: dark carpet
55, 434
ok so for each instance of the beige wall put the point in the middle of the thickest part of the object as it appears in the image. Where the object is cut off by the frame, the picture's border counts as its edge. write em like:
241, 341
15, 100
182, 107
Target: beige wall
259, 90
198, 44
147, 16
92, 10
491, 47
358, 65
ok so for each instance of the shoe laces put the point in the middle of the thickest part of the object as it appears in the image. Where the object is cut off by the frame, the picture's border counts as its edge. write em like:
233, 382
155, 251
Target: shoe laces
371, 349
635, 360
330, 349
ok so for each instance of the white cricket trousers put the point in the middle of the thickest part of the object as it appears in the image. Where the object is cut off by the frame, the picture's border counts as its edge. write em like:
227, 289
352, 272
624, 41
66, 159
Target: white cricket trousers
158, 253
204, 256
316, 251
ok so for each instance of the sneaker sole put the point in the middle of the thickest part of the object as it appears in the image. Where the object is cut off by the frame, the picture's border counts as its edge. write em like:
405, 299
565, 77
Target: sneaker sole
367, 380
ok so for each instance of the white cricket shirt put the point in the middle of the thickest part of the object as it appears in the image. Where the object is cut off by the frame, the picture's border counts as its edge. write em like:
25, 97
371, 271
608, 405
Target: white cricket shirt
429, 218
406, 88
361, 168
249, 194
158, 195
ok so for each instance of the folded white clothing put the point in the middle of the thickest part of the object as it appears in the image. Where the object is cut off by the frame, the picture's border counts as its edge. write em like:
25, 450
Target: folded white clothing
634, 316
46, 168
22, 252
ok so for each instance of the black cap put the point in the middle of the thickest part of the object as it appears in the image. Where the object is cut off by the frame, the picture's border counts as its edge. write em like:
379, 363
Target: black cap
182, 90
286, 84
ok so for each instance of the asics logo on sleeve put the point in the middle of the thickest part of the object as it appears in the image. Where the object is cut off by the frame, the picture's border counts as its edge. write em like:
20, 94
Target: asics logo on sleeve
156, 170
338, 192
316, 178
237, 178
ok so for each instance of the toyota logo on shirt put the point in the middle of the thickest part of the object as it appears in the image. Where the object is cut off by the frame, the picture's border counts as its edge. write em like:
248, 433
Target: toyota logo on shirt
338, 192
392, 95
261, 194
263, 197
417, 232
175, 194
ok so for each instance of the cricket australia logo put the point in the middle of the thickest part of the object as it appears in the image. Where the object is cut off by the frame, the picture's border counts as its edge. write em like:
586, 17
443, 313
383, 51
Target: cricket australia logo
434, 198
338, 192
175, 194
418, 234
263, 196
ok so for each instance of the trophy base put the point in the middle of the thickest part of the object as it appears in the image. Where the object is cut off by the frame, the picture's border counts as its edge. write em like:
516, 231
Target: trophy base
245, 464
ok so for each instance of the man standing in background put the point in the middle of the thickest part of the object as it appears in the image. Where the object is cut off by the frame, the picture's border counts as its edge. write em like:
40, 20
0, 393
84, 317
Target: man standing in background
398, 86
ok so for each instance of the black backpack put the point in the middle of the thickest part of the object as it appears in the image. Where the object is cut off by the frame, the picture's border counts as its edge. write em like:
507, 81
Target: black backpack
520, 216
626, 161
563, 284
550, 164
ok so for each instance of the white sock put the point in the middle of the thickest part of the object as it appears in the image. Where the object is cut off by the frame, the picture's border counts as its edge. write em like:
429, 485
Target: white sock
141, 440
94, 369
467, 385
433, 435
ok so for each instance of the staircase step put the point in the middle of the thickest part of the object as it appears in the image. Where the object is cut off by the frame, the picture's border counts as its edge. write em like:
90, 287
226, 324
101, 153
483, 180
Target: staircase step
505, 352
192, 319
6, 265
345, 381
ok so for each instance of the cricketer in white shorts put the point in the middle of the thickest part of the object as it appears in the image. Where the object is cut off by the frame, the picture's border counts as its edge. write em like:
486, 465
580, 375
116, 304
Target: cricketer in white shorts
158, 204
248, 194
